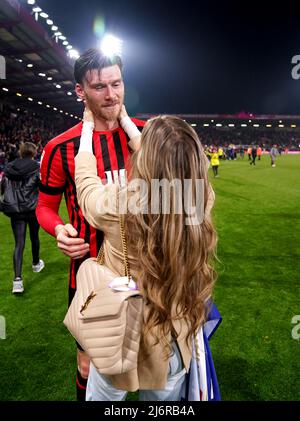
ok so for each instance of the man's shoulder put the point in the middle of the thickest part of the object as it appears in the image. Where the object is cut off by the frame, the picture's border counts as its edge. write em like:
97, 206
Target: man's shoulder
70, 134
138, 122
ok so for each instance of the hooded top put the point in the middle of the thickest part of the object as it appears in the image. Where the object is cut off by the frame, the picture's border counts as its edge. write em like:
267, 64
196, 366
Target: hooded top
19, 187
21, 168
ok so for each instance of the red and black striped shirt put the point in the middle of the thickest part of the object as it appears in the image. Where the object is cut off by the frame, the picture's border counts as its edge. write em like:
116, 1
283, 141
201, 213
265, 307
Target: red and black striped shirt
57, 177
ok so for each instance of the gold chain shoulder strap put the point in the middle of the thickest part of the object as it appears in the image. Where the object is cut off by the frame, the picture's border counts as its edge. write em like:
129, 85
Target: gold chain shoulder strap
100, 257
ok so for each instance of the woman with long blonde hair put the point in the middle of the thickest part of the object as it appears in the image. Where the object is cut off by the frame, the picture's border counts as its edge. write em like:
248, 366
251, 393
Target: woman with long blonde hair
171, 243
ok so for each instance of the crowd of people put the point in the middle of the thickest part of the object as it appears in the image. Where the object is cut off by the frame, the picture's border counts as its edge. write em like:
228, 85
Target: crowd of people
284, 138
17, 127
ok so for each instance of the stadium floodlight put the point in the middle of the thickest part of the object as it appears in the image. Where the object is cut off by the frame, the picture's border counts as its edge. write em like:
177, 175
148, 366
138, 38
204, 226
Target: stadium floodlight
219, 125
69, 93
255, 125
205, 125
40, 103
30, 99
231, 125
18, 94
54, 28
65, 43
32, 2
61, 111
73, 54
29, 65
194, 125
268, 125
42, 74
54, 108
111, 45
280, 125
37, 10
79, 100
58, 86
69, 47
62, 37
57, 34
48, 106
5, 89
44, 15
293, 125
49, 22
243, 125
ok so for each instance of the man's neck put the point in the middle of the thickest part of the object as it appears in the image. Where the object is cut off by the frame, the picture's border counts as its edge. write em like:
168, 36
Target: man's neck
105, 125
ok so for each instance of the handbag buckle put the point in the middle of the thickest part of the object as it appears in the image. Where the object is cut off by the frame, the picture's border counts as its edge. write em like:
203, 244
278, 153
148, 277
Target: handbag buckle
87, 301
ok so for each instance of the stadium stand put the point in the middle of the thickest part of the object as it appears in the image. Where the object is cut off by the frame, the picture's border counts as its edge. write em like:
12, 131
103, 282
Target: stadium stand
245, 129
39, 71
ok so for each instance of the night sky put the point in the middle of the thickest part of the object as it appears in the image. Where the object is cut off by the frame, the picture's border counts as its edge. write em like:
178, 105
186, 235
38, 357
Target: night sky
194, 57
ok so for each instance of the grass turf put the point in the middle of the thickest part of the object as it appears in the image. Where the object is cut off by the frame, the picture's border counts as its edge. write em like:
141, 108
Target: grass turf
257, 217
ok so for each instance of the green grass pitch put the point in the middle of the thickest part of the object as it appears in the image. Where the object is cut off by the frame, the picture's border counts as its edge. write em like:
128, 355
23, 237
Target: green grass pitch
257, 216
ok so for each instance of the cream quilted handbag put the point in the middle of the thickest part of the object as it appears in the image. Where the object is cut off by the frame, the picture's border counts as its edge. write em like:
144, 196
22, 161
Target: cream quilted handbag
105, 316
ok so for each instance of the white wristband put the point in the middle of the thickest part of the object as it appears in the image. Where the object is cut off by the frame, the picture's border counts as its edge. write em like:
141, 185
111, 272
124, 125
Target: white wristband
129, 127
86, 140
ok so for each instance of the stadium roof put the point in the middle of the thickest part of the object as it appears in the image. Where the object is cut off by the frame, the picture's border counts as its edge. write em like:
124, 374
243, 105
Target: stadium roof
32, 57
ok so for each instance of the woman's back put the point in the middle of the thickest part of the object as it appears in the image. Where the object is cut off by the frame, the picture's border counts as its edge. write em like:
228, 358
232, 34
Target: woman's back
171, 239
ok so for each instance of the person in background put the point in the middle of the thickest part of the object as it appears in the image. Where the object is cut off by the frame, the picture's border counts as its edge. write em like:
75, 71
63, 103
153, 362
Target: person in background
220, 152
242, 152
273, 155
253, 155
19, 187
249, 151
259, 153
214, 160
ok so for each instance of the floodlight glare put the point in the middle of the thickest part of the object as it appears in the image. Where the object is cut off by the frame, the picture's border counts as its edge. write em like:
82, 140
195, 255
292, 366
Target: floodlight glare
37, 10
111, 45
54, 28
73, 54
49, 22
30, 1
44, 15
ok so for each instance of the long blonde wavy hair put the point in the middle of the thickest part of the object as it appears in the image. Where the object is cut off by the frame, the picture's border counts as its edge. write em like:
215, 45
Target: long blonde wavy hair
175, 273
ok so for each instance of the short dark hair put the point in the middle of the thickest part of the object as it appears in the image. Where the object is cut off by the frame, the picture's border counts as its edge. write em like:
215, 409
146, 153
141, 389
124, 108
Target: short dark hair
93, 59
28, 150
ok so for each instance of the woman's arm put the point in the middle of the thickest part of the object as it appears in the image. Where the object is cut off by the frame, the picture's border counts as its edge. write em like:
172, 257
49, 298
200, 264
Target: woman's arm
95, 199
